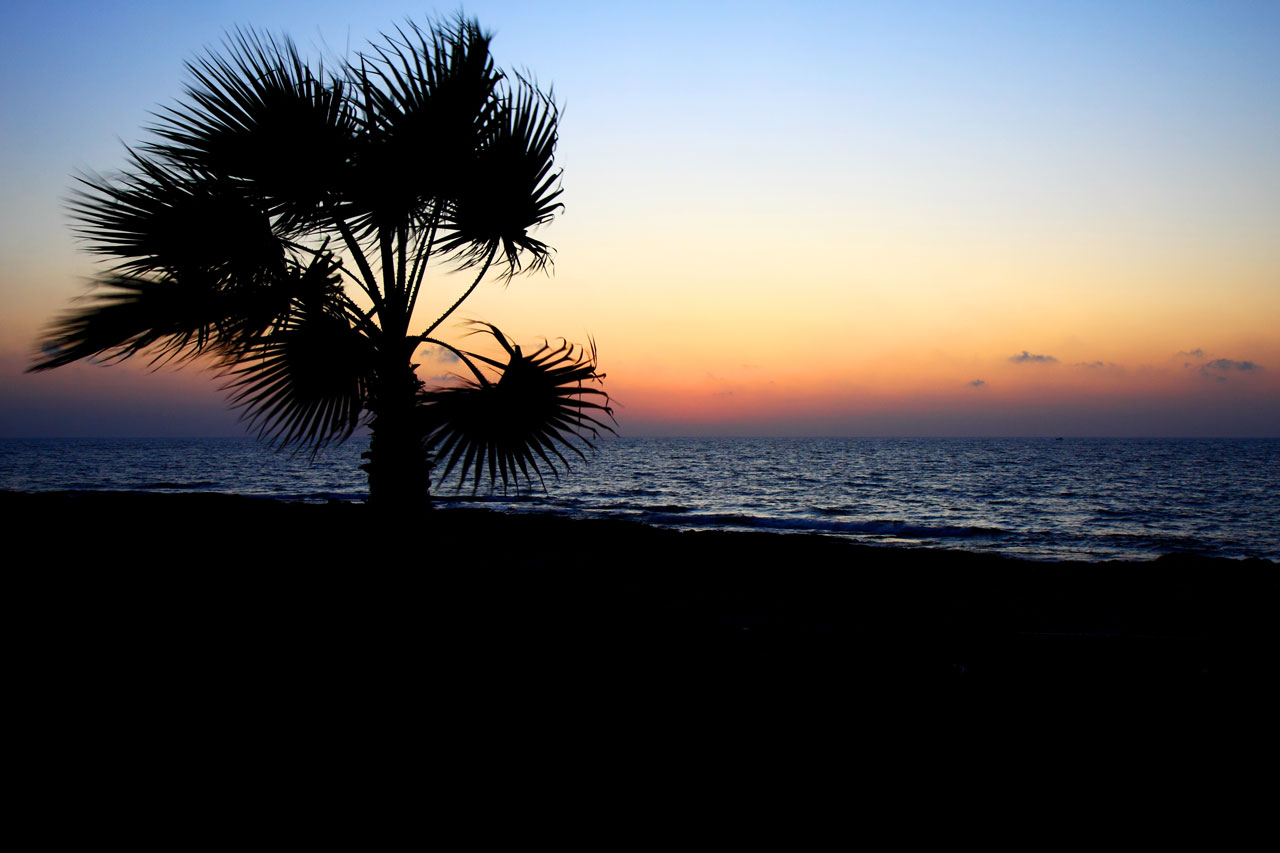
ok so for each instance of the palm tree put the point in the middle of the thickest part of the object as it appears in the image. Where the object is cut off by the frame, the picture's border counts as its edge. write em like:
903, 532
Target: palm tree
281, 222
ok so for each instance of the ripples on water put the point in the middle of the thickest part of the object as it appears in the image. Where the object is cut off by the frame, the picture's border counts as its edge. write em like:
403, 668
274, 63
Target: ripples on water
1039, 498
236, 465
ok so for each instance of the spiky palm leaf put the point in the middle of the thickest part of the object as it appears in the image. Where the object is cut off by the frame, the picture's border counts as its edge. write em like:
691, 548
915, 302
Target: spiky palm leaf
260, 116
306, 381
540, 405
425, 99
512, 186
133, 314
168, 219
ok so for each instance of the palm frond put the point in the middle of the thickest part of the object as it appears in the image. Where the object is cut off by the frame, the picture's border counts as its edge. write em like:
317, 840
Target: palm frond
133, 314
305, 382
425, 97
540, 405
161, 218
512, 185
259, 115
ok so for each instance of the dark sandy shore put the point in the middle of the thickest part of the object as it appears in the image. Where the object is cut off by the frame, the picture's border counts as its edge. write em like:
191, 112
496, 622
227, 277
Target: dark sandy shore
161, 595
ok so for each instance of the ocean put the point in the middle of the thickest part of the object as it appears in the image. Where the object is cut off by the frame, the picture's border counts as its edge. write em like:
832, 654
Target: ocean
1042, 499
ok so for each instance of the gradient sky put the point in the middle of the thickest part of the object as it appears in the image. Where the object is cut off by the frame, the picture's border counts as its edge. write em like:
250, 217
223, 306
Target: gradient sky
897, 218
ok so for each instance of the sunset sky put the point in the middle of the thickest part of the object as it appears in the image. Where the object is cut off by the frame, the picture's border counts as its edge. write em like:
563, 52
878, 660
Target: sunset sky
897, 218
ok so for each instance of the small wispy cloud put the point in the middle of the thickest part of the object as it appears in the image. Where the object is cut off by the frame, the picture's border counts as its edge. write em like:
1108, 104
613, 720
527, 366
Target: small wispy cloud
1217, 369
439, 355
978, 383
1191, 353
436, 363
726, 388
1227, 364
1029, 357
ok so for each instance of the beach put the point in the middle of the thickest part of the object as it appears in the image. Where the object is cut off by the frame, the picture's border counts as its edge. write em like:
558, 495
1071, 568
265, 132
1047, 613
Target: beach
127, 593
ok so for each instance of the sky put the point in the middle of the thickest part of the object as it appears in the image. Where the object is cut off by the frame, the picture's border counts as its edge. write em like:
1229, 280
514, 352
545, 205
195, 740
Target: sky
897, 218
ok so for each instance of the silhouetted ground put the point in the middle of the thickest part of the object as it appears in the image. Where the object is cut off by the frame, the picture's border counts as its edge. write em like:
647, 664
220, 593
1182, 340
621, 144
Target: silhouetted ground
188, 657
211, 598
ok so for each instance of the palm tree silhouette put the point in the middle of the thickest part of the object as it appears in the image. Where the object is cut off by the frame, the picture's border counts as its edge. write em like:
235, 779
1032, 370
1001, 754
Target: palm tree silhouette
281, 221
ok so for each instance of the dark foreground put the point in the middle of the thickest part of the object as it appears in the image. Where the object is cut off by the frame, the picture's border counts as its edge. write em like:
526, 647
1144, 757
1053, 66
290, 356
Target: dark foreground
221, 599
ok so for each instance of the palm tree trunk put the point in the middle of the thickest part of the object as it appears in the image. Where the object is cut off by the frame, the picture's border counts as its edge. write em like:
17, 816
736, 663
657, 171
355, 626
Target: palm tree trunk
398, 466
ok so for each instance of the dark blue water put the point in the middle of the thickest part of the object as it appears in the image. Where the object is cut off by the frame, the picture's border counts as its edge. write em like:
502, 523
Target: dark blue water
1089, 499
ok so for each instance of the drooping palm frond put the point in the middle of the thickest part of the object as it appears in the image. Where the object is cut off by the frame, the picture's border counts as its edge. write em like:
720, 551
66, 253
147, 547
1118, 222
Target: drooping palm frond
517, 426
171, 220
198, 266
133, 314
512, 185
305, 382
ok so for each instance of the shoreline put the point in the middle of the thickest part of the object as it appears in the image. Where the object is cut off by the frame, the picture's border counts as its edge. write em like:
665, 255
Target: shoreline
160, 577
450, 504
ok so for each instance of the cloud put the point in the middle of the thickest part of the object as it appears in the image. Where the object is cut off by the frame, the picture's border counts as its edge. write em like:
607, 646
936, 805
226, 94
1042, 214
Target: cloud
1099, 365
978, 383
435, 363
1032, 357
726, 389
1193, 353
1219, 367
447, 356
1226, 364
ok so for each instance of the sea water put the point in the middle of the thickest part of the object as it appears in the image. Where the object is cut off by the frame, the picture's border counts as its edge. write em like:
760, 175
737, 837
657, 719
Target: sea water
1046, 499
